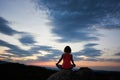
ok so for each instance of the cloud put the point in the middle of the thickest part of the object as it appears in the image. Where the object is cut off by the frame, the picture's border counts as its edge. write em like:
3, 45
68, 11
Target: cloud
38, 47
4, 27
54, 56
117, 54
27, 39
109, 22
90, 52
110, 59
52, 52
91, 45
14, 49
73, 20
115, 60
91, 59
18, 52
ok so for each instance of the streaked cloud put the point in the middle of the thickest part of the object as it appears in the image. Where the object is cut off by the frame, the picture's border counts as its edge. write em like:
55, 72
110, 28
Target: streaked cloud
5, 29
117, 54
14, 49
91, 52
91, 44
26, 38
32, 52
77, 18
48, 57
88, 53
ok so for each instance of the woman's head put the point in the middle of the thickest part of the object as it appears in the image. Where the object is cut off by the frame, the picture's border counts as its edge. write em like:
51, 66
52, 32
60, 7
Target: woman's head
67, 49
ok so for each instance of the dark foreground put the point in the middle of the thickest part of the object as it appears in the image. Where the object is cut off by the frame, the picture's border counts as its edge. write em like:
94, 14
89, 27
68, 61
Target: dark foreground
16, 71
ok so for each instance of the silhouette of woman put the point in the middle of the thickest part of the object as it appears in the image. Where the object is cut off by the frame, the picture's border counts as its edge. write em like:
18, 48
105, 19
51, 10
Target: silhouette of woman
67, 58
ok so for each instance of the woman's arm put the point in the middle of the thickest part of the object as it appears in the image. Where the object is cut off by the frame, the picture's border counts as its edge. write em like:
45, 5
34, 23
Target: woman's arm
60, 59
72, 61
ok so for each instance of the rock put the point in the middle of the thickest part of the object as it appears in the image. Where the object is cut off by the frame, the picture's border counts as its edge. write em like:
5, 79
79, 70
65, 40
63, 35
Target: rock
61, 75
83, 73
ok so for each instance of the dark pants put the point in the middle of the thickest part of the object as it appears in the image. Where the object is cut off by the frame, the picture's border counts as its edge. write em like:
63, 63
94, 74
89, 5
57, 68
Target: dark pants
60, 67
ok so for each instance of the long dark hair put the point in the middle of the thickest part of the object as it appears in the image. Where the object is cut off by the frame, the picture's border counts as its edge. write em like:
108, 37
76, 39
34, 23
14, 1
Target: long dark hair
67, 49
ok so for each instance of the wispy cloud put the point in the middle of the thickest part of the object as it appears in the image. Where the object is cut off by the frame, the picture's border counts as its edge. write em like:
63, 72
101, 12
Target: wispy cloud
110, 59
4, 27
14, 49
89, 53
25, 39
74, 20
18, 52
117, 54
91, 45
53, 53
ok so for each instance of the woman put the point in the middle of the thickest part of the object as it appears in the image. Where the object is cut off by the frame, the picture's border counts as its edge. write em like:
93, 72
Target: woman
67, 58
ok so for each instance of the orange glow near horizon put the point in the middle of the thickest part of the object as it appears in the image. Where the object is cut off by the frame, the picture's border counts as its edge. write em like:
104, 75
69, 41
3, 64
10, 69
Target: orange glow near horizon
97, 63
79, 64
47, 63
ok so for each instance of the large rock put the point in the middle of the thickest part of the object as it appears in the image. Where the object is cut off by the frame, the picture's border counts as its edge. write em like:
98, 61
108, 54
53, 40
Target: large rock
83, 73
61, 75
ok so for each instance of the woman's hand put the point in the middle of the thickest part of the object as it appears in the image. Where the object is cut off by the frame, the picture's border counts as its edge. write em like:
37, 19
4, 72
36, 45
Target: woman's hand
56, 64
74, 65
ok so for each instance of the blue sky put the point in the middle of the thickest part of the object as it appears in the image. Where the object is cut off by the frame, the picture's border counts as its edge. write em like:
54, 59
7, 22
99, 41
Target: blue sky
38, 30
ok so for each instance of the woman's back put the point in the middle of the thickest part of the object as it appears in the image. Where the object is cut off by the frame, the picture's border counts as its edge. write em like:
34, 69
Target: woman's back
66, 61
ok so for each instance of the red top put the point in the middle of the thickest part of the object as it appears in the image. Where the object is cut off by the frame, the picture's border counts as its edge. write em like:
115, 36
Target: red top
66, 61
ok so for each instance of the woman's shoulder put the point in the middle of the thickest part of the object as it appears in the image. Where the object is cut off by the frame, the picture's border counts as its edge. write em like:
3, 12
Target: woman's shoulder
63, 54
67, 54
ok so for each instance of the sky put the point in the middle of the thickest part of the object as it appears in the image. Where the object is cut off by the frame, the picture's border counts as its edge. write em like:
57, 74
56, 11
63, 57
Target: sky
35, 32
